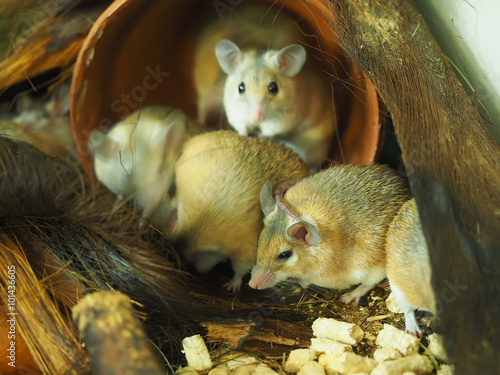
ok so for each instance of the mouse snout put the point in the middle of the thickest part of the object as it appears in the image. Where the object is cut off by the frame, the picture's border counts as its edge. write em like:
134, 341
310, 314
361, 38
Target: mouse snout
257, 112
261, 279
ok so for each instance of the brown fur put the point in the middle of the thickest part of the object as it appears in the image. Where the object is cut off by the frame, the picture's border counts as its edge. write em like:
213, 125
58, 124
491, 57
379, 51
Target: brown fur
218, 177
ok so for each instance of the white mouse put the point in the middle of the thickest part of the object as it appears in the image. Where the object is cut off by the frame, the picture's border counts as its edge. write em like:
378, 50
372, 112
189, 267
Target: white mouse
275, 94
136, 158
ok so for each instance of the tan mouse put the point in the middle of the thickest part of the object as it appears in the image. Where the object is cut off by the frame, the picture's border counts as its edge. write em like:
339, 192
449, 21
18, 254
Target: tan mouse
136, 158
329, 229
253, 67
273, 94
218, 179
408, 265
249, 24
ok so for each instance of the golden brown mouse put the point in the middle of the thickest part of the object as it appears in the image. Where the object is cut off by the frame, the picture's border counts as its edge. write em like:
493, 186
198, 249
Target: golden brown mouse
218, 179
329, 229
275, 94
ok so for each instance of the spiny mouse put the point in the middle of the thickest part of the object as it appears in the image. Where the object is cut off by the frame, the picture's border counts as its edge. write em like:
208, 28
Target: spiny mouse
329, 229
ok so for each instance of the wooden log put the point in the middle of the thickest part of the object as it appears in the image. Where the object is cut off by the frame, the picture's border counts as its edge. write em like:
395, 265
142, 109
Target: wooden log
236, 334
452, 162
113, 335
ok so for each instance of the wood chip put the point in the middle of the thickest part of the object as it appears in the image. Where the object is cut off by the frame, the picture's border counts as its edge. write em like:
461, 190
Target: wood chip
386, 354
393, 338
233, 334
297, 359
446, 370
436, 347
264, 369
243, 360
220, 370
186, 371
418, 364
378, 317
347, 333
196, 353
245, 370
392, 305
347, 363
312, 368
328, 346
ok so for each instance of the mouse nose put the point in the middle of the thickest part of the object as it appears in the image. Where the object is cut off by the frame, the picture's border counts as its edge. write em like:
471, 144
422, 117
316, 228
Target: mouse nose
257, 112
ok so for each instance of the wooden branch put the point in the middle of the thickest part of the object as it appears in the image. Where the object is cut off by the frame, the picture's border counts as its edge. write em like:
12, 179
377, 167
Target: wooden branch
113, 336
452, 162
275, 332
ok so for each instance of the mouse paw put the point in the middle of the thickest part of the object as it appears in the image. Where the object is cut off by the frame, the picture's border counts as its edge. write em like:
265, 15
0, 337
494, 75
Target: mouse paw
411, 325
348, 298
233, 285
356, 294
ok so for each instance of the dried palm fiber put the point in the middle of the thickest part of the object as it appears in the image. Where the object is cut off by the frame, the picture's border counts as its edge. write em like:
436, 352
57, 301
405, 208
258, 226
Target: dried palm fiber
453, 165
82, 233
39, 327
36, 36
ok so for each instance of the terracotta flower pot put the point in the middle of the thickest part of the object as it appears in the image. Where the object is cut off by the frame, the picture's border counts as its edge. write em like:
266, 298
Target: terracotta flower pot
141, 52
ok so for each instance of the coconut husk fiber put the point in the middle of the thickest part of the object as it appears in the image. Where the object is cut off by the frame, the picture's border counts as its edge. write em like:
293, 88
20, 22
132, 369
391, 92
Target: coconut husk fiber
68, 238
38, 36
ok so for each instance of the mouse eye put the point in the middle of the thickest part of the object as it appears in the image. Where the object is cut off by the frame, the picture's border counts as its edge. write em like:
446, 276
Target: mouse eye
241, 88
284, 255
273, 88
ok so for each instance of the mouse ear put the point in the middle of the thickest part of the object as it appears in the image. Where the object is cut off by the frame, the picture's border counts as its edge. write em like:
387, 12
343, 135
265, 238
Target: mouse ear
103, 146
176, 129
267, 201
291, 59
304, 232
228, 55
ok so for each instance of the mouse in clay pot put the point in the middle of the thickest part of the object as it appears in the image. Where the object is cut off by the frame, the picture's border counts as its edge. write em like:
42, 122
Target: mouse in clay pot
329, 229
408, 266
218, 179
136, 158
275, 94
263, 70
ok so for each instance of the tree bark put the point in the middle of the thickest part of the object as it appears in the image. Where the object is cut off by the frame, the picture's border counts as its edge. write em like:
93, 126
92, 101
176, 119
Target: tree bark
452, 163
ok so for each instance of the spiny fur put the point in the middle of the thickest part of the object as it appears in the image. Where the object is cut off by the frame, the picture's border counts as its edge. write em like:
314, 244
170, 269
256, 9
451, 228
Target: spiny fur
351, 207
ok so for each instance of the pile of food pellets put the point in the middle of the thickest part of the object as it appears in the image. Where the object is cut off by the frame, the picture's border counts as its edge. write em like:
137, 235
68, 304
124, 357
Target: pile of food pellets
330, 352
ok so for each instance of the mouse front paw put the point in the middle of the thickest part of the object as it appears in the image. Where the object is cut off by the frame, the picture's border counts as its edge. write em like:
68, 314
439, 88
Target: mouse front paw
411, 324
348, 298
356, 294
234, 285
